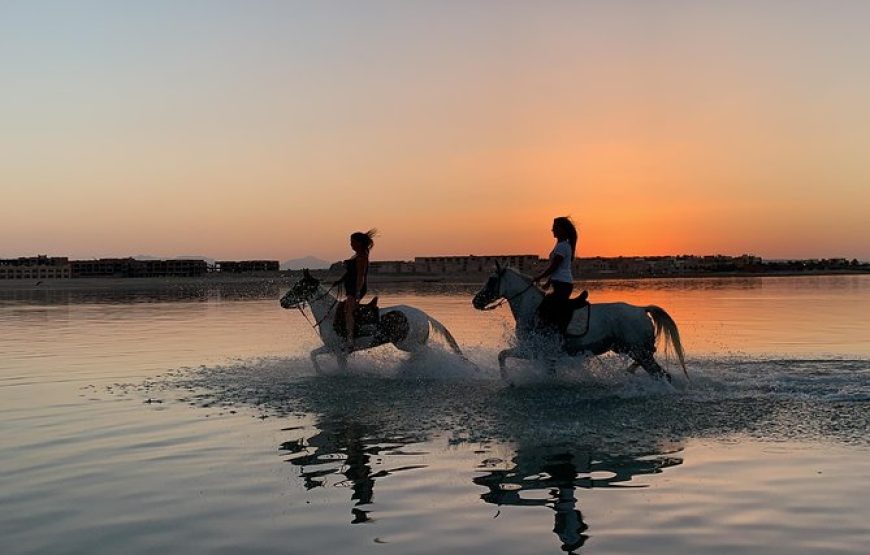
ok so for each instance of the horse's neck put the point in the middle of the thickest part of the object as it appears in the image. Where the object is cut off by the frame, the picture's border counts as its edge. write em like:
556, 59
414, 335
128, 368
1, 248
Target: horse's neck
323, 306
524, 300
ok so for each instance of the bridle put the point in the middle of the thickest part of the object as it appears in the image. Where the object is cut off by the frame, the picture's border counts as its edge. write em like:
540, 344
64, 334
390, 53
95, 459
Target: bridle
506, 299
317, 323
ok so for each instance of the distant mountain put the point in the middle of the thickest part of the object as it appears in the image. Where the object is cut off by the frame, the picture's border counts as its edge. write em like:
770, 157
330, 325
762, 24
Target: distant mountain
310, 262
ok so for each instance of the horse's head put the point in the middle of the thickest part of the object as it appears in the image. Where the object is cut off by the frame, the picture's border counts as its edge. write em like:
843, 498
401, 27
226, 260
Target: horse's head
492, 290
301, 292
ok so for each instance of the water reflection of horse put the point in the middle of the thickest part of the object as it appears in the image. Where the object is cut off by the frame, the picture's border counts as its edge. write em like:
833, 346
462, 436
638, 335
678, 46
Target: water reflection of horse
561, 471
618, 327
345, 452
344, 447
406, 327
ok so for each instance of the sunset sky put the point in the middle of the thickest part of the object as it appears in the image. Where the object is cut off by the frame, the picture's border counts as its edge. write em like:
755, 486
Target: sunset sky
258, 129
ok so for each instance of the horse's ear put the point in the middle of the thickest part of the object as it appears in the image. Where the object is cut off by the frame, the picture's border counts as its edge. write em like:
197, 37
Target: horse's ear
305, 273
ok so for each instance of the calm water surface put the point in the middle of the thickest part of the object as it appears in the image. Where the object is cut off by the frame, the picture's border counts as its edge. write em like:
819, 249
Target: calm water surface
190, 420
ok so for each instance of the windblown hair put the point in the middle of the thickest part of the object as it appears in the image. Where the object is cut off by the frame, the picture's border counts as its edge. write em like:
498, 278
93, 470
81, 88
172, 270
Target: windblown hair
568, 230
367, 238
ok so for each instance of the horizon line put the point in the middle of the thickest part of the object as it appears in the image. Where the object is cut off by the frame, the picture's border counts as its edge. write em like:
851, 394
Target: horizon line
204, 257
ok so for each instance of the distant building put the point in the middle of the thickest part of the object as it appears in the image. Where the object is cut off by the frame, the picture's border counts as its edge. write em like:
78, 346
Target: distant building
436, 265
590, 267
665, 265
600, 266
132, 268
471, 264
246, 266
44, 267
169, 268
389, 267
35, 267
103, 267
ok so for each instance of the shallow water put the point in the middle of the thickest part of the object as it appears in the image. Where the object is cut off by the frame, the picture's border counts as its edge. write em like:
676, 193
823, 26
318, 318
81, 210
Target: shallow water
143, 421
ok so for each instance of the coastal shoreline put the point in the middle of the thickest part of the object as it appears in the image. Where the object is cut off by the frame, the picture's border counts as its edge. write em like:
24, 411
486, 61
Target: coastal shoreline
286, 278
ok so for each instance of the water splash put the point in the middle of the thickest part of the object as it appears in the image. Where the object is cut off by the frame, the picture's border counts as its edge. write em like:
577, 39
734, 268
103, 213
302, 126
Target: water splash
591, 401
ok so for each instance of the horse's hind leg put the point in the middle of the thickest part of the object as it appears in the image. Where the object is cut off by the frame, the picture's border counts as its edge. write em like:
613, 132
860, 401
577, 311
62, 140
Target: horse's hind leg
653, 368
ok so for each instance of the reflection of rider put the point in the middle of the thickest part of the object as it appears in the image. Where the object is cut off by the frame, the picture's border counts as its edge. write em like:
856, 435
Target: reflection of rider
561, 472
355, 279
347, 438
569, 525
559, 270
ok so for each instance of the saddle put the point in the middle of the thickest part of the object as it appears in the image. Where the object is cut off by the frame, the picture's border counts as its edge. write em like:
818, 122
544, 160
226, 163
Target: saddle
365, 319
578, 325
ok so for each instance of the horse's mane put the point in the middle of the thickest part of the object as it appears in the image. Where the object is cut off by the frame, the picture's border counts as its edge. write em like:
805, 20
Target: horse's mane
518, 273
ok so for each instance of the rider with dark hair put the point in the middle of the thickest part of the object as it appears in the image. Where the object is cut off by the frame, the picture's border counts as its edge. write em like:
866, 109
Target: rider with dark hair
355, 279
559, 270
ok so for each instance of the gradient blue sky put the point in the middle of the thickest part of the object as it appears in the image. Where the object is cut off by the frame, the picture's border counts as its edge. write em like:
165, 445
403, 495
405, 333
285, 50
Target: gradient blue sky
273, 129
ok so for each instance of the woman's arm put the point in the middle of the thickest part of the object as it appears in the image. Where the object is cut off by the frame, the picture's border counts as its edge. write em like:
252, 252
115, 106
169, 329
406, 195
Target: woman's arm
554, 263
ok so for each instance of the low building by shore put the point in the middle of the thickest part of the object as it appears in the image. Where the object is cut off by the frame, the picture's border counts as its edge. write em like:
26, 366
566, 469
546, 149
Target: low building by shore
132, 268
439, 268
246, 266
604, 267
43, 267
35, 267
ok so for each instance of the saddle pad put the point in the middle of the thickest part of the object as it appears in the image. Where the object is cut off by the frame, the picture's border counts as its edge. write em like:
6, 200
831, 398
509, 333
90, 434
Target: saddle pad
366, 318
579, 324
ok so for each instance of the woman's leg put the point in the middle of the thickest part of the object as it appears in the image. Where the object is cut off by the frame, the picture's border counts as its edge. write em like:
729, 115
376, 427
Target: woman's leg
553, 307
350, 308
561, 290
546, 309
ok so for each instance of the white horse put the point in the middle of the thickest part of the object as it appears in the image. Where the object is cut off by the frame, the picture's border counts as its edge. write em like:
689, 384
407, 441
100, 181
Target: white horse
618, 327
404, 326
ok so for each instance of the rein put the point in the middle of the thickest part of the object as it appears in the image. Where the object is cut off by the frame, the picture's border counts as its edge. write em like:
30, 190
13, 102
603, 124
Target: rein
317, 324
507, 299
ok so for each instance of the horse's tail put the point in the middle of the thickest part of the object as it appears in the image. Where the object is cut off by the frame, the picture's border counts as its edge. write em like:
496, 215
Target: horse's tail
445, 333
665, 325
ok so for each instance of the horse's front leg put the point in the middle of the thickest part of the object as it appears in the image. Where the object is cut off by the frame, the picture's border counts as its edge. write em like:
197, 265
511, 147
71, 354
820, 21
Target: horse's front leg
502, 361
314, 354
341, 359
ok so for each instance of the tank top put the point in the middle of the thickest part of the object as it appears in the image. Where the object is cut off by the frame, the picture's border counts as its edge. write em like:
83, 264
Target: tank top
349, 279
